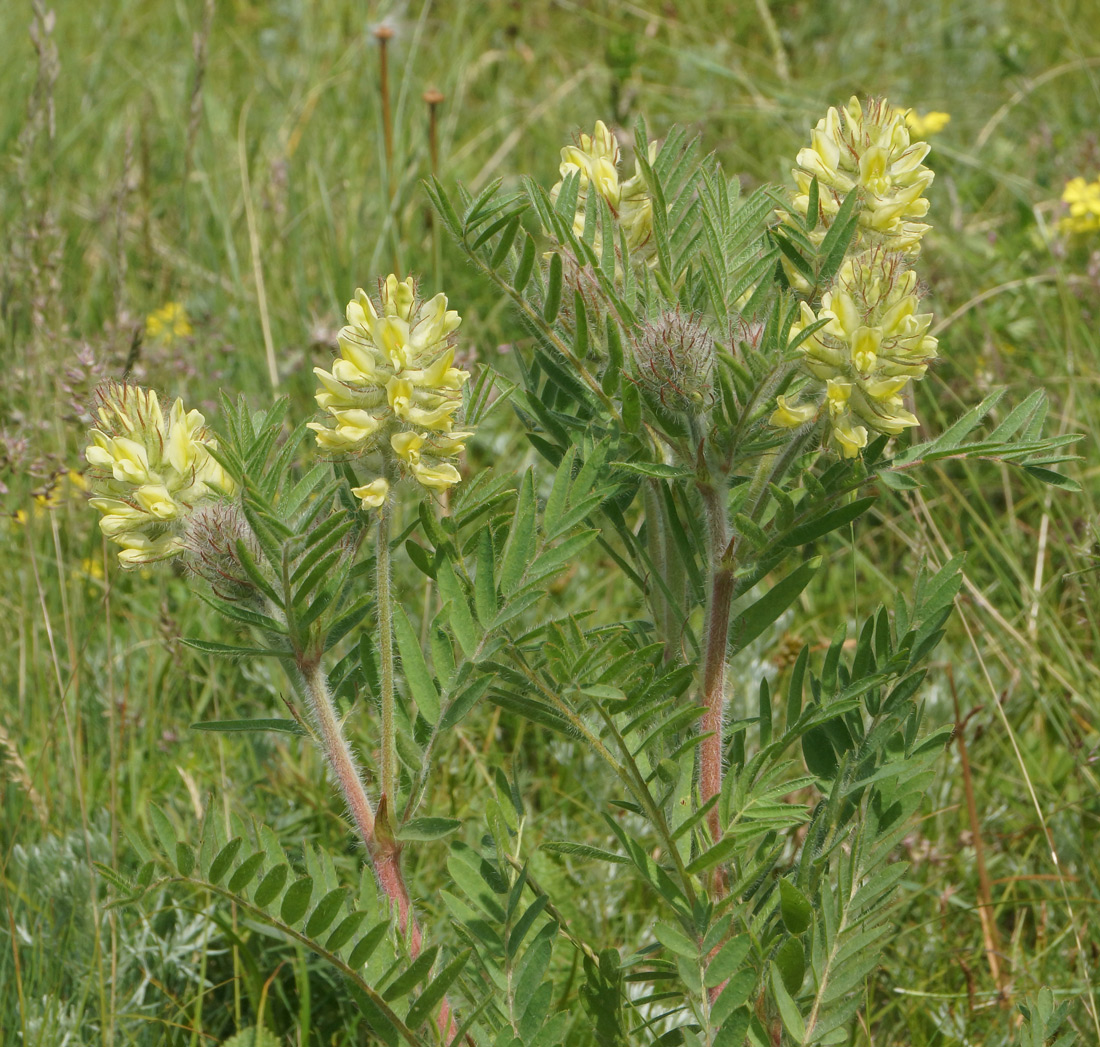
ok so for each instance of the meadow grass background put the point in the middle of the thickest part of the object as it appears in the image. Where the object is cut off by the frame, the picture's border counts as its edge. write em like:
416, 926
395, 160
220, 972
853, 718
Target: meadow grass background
228, 158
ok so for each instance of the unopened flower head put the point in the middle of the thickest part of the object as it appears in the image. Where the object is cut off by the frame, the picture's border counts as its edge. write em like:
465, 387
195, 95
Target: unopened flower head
675, 358
1084, 206
595, 159
212, 540
868, 149
874, 343
149, 470
395, 385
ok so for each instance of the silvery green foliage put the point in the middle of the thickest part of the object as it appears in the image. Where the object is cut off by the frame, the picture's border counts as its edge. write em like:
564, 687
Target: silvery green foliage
155, 949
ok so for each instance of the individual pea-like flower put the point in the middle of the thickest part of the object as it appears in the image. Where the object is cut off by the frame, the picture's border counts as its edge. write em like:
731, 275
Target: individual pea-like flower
868, 149
791, 416
1084, 206
374, 494
394, 386
149, 470
595, 158
874, 343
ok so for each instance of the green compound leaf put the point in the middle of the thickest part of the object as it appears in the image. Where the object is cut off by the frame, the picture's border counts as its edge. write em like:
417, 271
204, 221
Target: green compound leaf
826, 522
795, 907
791, 961
415, 973
364, 948
345, 930
521, 540
553, 290
165, 834
727, 960
433, 994
328, 908
752, 622
223, 860
230, 650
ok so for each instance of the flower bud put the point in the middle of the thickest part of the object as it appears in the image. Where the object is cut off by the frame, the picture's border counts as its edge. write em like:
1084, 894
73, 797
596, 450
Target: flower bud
595, 160
675, 359
210, 547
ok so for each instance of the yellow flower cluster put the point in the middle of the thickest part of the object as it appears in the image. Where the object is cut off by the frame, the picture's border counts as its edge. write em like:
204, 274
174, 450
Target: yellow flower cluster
870, 150
1084, 206
927, 125
148, 471
596, 158
874, 343
395, 388
168, 323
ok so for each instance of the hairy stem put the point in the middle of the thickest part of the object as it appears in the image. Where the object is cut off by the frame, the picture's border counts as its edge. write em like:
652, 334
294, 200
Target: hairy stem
338, 753
715, 641
384, 852
656, 539
385, 642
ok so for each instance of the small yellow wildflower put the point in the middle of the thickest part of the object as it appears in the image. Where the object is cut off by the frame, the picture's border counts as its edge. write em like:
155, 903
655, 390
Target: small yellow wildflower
149, 471
395, 388
1084, 206
92, 567
927, 125
168, 323
59, 490
874, 344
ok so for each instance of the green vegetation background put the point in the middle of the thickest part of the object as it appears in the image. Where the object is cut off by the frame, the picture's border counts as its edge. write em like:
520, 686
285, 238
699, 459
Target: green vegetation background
228, 158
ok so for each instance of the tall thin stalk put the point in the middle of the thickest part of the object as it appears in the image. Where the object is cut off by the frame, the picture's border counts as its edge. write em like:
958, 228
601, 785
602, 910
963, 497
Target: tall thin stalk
385, 642
382, 849
715, 642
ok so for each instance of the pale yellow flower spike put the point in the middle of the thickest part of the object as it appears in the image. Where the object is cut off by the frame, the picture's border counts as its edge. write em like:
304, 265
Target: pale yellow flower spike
394, 387
874, 344
149, 472
867, 147
595, 158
